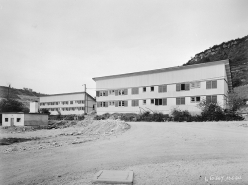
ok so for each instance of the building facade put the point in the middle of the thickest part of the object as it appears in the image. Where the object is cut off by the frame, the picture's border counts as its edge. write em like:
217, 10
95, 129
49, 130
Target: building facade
68, 103
164, 89
24, 119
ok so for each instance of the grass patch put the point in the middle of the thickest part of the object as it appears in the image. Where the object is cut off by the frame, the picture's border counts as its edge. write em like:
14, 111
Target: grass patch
9, 141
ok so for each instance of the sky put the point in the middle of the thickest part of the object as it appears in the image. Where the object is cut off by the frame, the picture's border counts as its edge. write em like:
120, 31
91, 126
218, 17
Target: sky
56, 46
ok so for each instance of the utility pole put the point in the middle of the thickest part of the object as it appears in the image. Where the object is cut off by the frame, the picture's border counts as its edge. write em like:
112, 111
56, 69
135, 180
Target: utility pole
8, 91
85, 99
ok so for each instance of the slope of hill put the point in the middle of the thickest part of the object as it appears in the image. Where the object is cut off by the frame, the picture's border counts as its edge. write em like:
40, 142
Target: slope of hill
24, 96
234, 50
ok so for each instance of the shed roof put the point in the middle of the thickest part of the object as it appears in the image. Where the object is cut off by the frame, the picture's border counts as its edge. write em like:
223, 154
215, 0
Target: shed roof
21, 113
226, 62
69, 94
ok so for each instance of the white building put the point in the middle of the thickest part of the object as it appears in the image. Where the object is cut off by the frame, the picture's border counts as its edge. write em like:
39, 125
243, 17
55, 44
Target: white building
164, 89
24, 119
68, 103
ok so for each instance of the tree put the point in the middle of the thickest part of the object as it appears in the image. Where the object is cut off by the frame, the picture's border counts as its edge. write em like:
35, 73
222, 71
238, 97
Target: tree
234, 101
11, 105
44, 111
211, 111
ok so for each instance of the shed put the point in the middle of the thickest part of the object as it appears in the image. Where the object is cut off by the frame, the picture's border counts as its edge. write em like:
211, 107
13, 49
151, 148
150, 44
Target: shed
24, 119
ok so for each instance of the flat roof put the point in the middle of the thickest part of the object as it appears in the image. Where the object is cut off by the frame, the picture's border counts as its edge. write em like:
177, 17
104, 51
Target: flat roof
226, 62
20, 113
68, 94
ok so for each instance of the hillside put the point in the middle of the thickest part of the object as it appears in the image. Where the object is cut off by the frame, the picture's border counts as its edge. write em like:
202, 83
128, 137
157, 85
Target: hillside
23, 95
234, 50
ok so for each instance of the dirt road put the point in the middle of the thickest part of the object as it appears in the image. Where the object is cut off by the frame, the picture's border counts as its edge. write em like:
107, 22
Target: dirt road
158, 153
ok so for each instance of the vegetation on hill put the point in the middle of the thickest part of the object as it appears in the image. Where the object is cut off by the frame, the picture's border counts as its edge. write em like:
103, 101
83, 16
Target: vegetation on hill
234, 50
25, 96
11, 105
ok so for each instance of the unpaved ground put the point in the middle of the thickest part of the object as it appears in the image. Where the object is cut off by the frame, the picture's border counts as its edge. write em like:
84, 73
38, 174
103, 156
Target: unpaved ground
158, 153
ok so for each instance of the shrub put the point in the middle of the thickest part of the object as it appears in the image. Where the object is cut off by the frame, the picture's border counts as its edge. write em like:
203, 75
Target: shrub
129, 117
12, 105
179, 115
213, 112
160, 117
45, 111
145, 116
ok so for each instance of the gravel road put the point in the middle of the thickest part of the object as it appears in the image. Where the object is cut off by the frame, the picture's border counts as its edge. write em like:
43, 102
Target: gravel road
158, 153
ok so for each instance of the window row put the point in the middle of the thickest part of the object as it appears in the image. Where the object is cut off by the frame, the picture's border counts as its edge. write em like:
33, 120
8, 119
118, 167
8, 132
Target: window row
161, 89
66, 109
156, 101
63, 102
17, 119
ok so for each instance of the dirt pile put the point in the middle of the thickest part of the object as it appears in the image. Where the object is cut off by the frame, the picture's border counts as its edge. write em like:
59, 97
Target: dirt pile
67, 133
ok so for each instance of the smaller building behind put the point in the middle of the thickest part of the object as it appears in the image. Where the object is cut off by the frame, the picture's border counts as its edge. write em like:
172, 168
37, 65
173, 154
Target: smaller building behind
24, 119
68, 103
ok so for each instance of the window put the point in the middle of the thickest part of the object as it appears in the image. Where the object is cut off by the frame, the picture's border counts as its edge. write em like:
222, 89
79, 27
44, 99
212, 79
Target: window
71, 102
152, 88
121, 104
120, 92
18, 119
182, 87
101, 93
211, 84
6, 119
111, 92
135, 103
111, 103
195, 99
152, 101
161, 101
162, 88
144, 102
64, 102
211, 99
194, 85
102, 104
180, 101
79, 101
135, 90
144, 89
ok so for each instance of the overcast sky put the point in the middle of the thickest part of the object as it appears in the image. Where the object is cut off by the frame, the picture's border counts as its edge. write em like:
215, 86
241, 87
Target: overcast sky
55, 46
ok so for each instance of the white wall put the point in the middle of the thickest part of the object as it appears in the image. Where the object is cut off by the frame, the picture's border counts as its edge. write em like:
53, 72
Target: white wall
170, 78
15, 116
68, 97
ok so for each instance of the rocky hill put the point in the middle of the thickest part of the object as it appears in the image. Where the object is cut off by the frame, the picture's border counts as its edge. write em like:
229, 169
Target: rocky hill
234, 50
24, 95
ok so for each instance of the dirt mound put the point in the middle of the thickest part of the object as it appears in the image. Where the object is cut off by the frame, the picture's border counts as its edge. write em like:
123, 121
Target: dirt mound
67, 133
106, 127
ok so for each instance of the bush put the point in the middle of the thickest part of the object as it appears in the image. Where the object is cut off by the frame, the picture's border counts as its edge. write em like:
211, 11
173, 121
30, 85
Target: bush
102, 117
44, 111
129, 117
213, 112
12, 105
155, 117
179, 115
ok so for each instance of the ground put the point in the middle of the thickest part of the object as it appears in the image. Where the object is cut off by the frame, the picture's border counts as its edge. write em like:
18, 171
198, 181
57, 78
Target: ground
158, 153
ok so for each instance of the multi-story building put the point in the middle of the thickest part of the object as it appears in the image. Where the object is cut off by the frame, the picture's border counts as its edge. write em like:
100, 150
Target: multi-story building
164, 89
68, 103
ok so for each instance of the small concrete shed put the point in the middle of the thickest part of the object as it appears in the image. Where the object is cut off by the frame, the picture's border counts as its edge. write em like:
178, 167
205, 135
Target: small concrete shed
24, 119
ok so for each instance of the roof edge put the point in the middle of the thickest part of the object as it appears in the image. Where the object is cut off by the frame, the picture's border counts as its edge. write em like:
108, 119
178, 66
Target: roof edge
162, 70
61, 94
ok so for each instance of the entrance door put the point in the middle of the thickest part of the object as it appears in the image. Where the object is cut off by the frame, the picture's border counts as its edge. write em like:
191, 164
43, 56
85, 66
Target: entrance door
12, 122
